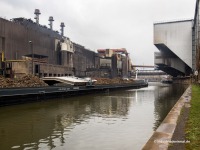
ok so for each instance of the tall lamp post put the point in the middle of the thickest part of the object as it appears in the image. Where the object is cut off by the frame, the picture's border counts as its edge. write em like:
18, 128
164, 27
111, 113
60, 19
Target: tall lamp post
31, 46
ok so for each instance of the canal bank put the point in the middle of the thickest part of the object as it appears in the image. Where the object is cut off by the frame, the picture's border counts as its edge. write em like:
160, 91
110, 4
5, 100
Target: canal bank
168, 133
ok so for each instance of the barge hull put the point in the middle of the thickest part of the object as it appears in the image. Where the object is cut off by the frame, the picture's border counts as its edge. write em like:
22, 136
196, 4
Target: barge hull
12, 96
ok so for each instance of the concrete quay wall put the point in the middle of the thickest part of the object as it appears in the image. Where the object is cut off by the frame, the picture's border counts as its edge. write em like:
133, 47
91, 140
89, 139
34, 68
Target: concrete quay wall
162, 137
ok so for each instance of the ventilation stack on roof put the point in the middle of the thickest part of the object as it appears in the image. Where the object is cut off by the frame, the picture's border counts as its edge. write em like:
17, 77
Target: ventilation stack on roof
51, 22
37, 13
62, 25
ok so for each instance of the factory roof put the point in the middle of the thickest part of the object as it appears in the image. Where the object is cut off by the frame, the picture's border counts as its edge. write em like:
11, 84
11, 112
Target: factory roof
172, 21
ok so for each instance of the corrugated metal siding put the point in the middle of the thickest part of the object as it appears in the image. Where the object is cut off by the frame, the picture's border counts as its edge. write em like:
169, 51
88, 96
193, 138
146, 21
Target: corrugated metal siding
17, 39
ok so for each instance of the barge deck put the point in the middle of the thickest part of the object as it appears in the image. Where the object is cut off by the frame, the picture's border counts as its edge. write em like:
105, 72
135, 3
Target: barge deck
9, 96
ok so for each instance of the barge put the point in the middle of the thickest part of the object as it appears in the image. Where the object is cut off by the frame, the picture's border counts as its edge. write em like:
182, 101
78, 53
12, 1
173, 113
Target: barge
9, 96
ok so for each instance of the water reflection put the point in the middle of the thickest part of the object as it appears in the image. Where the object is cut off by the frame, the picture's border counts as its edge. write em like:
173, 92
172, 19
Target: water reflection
112, 106
165, 97
112, 120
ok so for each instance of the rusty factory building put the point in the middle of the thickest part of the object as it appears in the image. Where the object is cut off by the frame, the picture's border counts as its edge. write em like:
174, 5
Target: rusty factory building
26, 47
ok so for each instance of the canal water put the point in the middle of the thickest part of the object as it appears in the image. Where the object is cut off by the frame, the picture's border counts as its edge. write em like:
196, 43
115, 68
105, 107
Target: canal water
117, 120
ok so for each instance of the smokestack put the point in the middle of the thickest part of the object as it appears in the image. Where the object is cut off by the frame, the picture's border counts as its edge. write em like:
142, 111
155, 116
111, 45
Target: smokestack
51, 22
37, 13
62, 25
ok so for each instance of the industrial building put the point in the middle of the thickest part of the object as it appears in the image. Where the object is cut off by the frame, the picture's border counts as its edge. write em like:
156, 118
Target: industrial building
179, 45
174, 41
29, 48
111, 63
26, 47
83, 59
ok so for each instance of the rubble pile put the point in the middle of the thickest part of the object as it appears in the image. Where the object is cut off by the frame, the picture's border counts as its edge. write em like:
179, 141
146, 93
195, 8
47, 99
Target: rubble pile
33, 81
24, 81
101, 81
6, 82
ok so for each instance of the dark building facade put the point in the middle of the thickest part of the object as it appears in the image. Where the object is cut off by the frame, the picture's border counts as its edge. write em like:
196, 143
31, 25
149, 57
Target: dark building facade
15, 36
42, 50
82, 60
26, 47
31, 48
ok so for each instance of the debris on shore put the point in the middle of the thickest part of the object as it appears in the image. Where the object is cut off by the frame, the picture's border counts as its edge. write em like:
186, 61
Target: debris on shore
102, 81
24, 81
34, 81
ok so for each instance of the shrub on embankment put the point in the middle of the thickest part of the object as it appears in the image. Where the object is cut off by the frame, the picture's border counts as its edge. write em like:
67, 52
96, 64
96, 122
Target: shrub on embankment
193, 124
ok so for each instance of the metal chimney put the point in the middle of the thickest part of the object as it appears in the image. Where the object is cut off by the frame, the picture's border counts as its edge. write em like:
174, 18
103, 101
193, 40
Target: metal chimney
37, 13
51, 22
62, 25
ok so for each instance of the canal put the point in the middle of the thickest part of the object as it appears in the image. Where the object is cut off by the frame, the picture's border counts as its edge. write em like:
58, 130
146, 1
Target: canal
116, 120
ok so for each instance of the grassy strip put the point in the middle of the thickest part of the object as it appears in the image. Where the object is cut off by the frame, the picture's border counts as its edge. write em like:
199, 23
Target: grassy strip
193, 123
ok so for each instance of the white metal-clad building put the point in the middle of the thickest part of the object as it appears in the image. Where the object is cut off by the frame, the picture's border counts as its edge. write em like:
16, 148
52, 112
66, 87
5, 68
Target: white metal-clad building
174, 41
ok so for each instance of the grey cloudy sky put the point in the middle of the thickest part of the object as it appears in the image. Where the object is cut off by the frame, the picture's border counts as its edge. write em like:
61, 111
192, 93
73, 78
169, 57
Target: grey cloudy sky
105, 23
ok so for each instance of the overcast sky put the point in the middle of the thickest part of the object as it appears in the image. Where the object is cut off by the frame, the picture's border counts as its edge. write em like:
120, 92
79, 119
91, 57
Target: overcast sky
99, 24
